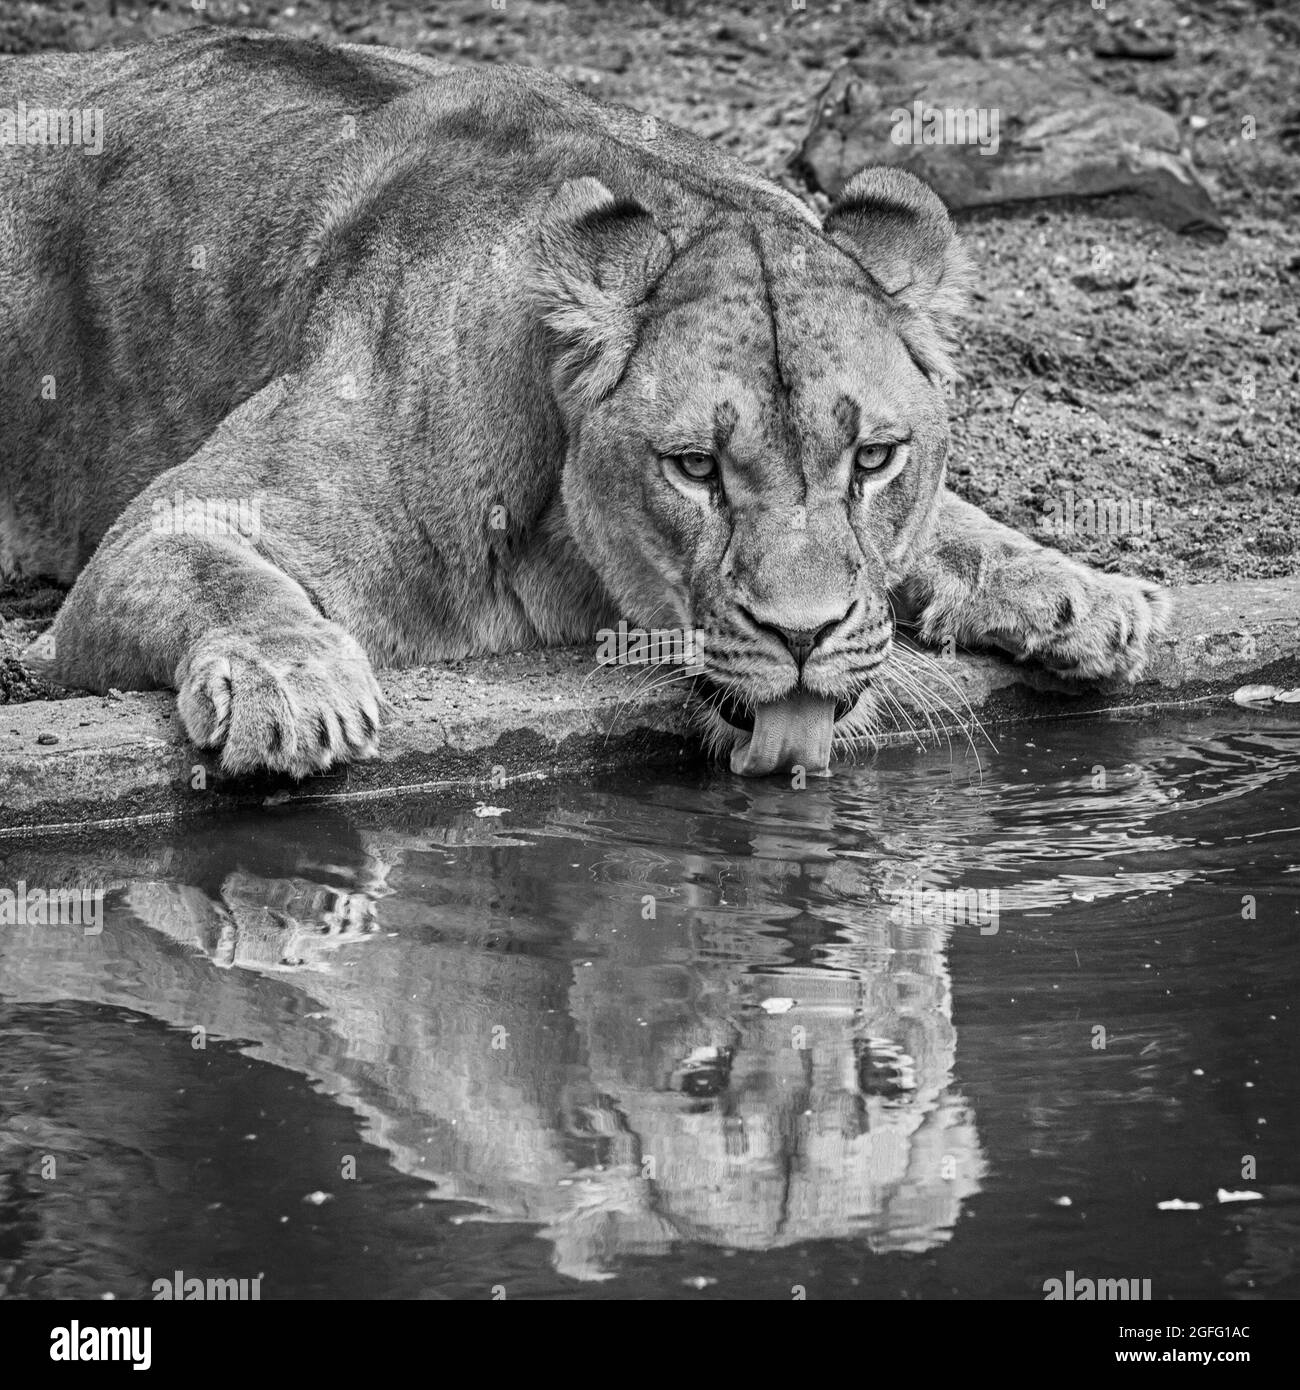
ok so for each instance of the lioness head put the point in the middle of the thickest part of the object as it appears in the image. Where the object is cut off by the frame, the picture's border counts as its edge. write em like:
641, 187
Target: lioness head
757, 434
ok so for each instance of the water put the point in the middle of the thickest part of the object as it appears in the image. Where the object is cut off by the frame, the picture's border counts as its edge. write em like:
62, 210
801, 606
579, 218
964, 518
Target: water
405, 1051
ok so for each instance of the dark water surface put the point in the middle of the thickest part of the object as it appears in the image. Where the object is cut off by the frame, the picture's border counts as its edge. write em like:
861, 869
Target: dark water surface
680, 1035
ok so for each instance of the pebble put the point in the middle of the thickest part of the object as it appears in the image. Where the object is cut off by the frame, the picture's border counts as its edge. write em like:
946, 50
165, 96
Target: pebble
47, 738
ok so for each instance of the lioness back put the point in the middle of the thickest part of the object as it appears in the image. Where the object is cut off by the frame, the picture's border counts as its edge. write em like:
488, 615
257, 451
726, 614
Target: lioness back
148, 289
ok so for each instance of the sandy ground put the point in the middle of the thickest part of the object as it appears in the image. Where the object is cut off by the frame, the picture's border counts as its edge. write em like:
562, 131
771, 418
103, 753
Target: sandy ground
1105, 358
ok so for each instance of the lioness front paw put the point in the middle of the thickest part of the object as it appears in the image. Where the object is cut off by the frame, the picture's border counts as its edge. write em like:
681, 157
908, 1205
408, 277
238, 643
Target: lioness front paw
1077, 622
296, 701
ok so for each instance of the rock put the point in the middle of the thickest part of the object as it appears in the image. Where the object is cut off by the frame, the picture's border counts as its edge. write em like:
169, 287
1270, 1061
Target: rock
1045, 135
47, 739
1229, 470
1133, 44
1104, 284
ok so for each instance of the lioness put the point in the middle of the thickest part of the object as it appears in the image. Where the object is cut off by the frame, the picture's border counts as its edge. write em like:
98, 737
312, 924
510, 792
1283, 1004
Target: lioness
341, 357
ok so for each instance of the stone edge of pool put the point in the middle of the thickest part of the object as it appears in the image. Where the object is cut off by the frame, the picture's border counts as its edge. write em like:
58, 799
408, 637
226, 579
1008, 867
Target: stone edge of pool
492, 721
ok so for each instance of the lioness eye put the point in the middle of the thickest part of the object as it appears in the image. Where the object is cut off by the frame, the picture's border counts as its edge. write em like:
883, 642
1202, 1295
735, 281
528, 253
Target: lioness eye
698, 467
871, 458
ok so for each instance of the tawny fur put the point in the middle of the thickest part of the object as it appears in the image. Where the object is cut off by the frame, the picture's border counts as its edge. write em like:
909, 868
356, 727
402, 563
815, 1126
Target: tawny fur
449, 327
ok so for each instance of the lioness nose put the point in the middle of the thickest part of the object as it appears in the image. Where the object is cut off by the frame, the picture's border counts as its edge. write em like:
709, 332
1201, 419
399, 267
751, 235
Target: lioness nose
802, 641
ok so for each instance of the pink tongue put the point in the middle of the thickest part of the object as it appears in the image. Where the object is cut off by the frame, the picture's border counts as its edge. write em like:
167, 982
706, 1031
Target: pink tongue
797, 729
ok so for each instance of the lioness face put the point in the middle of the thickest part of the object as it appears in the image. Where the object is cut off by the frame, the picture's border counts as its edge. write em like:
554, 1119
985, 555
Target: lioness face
769, 458
756, 435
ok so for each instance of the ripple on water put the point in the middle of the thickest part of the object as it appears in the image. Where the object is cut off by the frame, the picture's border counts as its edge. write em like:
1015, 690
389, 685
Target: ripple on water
671, 1027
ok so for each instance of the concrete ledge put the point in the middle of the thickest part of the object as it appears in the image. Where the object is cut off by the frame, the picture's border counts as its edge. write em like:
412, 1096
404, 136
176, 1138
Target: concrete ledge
500, 719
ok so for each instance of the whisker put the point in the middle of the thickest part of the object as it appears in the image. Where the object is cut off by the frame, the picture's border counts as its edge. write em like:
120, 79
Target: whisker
904, 723
916, 670
646, 683
909, 687
922, 661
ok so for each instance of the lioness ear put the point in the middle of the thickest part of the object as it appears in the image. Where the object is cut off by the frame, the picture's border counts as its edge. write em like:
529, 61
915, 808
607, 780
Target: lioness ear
598, 258
897, 229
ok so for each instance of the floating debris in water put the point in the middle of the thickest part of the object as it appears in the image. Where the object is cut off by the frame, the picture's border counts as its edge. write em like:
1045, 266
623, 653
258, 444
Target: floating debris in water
776, 1006
1062, 1201
700, 1281
482, 809
1225, 1196
1265, 694
1177, 1204
318, 1199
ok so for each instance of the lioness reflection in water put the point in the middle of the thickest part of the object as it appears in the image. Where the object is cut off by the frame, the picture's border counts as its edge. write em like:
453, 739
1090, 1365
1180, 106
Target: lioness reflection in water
520, 1032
